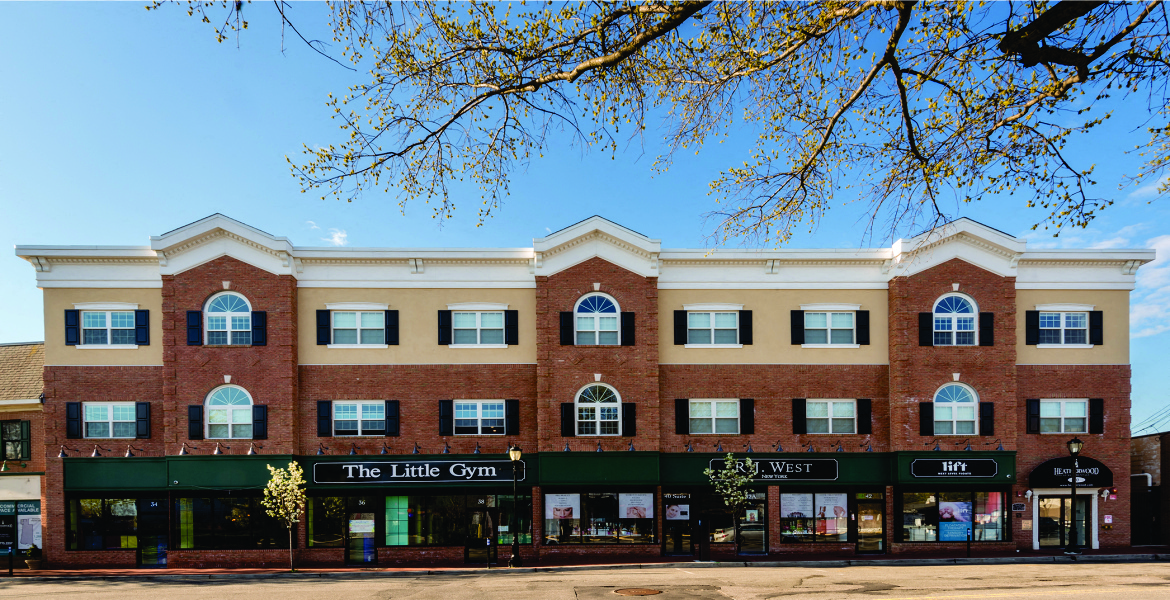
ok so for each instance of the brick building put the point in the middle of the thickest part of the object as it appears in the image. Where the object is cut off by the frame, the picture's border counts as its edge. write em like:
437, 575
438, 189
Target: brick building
893, 400
21, 442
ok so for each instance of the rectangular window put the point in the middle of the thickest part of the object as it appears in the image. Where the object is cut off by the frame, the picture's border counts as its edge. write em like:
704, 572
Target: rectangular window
14, 438
359, 418
477, 328
1064, 416
1064, 328
600, 518
226, 523
109, 328
814, 517
712, 328
948, 516
830, 416
109, 419
715, 416
326, 521
397, 521
828, 328
954, 331
479, 417
593, 330
103, 524
240, 333
359, 327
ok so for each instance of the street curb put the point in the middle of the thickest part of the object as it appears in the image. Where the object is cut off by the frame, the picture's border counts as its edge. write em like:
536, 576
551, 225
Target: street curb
911, 562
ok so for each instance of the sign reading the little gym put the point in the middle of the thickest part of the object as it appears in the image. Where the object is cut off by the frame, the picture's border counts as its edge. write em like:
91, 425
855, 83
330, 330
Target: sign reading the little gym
954, 467
412, 471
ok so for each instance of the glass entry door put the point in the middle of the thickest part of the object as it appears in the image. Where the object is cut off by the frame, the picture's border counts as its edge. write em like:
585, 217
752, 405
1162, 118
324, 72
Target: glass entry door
753, 525
361, 546
481, 534
871, 532
1055, 518
153, 525
676, 511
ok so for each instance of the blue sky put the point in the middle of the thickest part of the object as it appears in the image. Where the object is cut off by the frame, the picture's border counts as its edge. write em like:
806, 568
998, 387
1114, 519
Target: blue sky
119, 123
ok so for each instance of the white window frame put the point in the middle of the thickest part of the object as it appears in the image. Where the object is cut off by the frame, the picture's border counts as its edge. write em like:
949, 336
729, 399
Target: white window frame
712, 309
361, 432
951, 317
479, 416
830, 418
207, 316
617, 315
107, 308
1063, 310
710, 402
480, 309
829, 309
954, 421
596, 419
207, 408
1063, 402
109, 420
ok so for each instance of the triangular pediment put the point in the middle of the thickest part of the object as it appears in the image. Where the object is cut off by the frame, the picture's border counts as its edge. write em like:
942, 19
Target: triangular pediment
964, 239
217, 235
596, 237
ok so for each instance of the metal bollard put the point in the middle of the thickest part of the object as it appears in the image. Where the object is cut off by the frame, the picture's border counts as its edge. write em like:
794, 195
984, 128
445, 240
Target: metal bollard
11, 553
968, 542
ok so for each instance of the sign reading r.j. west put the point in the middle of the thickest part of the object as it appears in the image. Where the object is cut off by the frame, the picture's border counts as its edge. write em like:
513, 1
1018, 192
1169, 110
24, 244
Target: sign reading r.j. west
798, 469
409, 471
954, 467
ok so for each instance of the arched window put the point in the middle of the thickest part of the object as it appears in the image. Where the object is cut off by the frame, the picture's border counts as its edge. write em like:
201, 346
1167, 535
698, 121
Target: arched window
229, 320
598, 410
229, 413
954, 321
597, 321
954, 410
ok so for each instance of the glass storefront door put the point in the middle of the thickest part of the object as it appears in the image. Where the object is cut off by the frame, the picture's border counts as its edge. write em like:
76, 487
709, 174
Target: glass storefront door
482, 517
753, 525
871, 532
153, 524
1055, 516
676, 512
361, 546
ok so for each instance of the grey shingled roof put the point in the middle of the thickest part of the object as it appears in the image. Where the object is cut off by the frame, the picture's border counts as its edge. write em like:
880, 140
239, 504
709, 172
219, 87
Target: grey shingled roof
21, 370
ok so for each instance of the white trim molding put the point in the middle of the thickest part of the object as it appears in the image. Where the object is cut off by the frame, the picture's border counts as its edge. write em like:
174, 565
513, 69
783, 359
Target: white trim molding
1093, 519
359, 346
106, 347
484, 346
1065, 307
830, 345
824, 307
474, 306
356, 306
711, 307
713, 346
1059, 346
105, 306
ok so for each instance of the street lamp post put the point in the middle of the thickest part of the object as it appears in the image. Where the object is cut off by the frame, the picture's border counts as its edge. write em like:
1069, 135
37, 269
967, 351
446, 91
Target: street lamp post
514, 454
1074, 448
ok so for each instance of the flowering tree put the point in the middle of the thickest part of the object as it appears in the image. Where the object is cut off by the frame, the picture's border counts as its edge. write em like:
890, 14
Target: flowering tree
284, 498
730, 483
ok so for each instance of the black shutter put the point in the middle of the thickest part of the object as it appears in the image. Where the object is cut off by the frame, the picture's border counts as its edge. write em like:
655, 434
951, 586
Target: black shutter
568, 423
446, 417
72, 327
797, 320
627, 329
195, 422
1096, 327
986, 329
511, 417
682, 416
799, 425
567, 328
391, 328
1032, 328
747, 416
680, 327
629, 419
142, 420
511, 327
259, 421
1033, 415
142, 327
926, 418
863, 328
72, 420
259, 328
392, 417
324, 335
925, 329
864, 416
324, 418
25, 440
745, 327
195, 328
1096, 415
444, 327
986, 418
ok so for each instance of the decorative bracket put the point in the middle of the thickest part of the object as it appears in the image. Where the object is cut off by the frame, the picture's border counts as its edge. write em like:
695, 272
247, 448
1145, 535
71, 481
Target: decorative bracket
416, 266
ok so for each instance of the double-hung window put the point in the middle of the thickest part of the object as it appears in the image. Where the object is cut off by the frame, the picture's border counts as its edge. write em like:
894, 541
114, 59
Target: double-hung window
1064, 328
713, 328
107, 328
15, 438
828, 328
359, 418
954, 321
477, 328
1064, 416
714, 416
359, 327
954, 410
830, 416
105, 420
229, 320
479, 417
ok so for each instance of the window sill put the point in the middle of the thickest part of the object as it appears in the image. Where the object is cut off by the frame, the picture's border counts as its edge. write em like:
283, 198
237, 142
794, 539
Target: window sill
468, 435
360, 346
1053, 346
477, 345
598, 435
104, 439
369, 436
830, 345
1065, 432
227, 345
107, 347
715, 434
713, 346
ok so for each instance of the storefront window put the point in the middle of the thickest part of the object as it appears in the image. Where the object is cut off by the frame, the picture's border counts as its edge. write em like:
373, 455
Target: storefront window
326, 521
951, 516
523, 522
448, 520
919, 517
600, 518
103, 524
227, 523
988, 516
820, 517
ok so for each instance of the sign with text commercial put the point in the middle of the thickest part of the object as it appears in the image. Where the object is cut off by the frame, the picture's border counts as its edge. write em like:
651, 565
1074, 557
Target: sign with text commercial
790, 469
954, 467
415, 471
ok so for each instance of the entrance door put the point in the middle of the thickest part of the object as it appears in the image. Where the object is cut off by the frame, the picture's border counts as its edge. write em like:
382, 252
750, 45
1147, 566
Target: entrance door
1055, 518
152, 532
481, 536
871, 532
677, 523
753, 525
361, 546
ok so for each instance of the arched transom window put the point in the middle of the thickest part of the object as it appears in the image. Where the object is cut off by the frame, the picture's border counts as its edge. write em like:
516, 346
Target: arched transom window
229, 320
597, 321
598, 411
229, 413
954, 321
954, 410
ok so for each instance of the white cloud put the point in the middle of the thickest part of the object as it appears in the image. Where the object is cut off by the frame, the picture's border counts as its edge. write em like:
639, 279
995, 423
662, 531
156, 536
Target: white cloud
548, 230
337, 237
1148, 191
1151, 297
312, 225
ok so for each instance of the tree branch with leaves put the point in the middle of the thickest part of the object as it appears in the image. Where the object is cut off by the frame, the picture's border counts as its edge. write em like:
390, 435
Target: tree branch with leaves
284, 499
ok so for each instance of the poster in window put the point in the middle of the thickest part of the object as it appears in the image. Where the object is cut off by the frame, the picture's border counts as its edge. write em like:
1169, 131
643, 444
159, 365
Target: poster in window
28, 531
954, 521
562, 506
831, 513
796, 505
752, 516
678, 512
361, 525
636, 506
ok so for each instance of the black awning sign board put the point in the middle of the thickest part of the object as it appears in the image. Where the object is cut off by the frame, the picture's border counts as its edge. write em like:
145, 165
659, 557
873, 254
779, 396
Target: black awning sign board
789, 469
1058, 473
415, 471
954, 467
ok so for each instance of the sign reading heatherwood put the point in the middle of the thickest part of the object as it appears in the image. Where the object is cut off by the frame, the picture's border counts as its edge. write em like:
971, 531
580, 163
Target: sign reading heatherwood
1058, 472
409, 471
965, 467
772, 469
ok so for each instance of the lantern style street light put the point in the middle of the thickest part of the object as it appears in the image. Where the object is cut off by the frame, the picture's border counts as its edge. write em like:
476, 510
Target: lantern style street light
1074, 449
514, 455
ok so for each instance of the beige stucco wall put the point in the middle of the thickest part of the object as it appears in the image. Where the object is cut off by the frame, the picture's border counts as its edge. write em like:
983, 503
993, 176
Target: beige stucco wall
771, 327
58, 300
1114, 305
418, 326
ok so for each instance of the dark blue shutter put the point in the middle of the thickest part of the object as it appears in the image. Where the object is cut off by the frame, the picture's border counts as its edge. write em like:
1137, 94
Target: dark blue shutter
1031, 328
392, 328
568, 420
511, 327
142, 420
511, 417
259, 421
986, 329
863, 328
682, 416
195, 422
864, 416
799, 424
745, 327
926, 330
1096, 327
566, 328
629, 419
324, 418
446, 417
796, 319
392, 417
1096, 415
926, 418
142, 327
72, 327
747, 416
986, 418
1033, 415
72, 420
259, 328
680, 327
324, 335
627, 329
444, 327
195, 328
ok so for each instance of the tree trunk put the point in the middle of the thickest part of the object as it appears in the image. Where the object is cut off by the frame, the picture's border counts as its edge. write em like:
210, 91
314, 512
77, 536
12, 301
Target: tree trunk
290, 550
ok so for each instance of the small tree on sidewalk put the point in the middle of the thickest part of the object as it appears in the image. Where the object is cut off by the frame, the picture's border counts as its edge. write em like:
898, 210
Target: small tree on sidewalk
730, 484
284, 499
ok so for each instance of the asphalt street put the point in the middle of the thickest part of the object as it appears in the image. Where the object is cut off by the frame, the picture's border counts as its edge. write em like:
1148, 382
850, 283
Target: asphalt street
1127, 581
